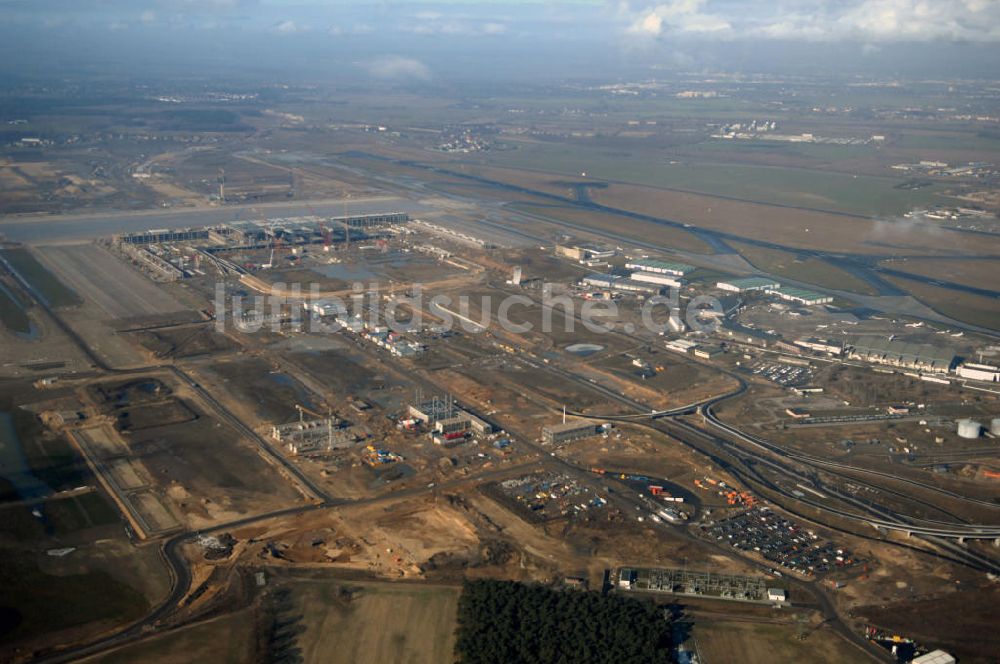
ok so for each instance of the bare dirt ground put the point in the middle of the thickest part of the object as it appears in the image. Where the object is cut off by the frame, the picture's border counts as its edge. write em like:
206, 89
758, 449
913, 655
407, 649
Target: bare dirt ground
963, 623
391, 540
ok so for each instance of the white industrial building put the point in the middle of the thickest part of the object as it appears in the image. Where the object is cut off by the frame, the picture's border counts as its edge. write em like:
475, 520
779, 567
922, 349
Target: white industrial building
934, 657
656, 278
600, 280
821, 346
324, 308
626, 577
681, 345
624, 284
984, 372
658, 267
776, 595
799, 295
747, 284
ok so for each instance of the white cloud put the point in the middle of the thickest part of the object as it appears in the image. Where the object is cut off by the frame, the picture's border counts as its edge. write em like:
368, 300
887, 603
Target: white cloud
431, 23
148, 16
685, 16
398, 67
868, 21
286, 28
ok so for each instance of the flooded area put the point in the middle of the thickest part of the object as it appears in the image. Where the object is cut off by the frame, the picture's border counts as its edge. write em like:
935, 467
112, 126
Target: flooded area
14, 317
14, 466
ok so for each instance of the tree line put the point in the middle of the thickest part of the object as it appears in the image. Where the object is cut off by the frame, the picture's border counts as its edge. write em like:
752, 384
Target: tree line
509, 622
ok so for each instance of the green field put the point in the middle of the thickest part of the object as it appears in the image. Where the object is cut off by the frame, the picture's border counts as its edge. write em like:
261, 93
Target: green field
715, 149
814, 189
55, 292
951, 141
810, 270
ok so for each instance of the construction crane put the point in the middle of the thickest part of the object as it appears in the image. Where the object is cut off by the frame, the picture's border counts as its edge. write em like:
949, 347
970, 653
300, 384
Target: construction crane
270, 261
302, 410
324, 228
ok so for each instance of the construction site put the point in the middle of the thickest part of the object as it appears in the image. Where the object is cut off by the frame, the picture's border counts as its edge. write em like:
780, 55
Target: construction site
385, 438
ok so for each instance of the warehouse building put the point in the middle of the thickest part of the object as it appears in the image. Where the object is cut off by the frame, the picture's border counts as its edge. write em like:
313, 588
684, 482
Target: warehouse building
799, 295
656, 278
747, 284
587, 251
708, 352
601, 280
443, 416
821, 346
921, 357
569, 431
659, 267
934, 657
623, 284
984, 372
634, 286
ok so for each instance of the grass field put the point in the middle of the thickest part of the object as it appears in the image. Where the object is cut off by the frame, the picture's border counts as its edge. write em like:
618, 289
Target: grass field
755, 643
965, 307
666, 236
55, 292
970, 272
822, 190
377, 623
225, 640
810, 270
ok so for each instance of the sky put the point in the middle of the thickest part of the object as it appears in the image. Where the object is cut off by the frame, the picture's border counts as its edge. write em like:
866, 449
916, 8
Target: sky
416, 39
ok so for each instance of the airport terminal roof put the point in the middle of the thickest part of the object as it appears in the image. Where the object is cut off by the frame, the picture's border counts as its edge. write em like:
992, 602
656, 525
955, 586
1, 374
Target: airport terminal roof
904, 352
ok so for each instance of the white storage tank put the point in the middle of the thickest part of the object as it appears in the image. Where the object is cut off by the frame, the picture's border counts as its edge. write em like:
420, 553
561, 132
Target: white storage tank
995, 426
969, 428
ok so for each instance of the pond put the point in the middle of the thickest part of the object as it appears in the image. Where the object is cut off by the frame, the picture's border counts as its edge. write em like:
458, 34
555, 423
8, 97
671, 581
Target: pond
583, 350
14, 466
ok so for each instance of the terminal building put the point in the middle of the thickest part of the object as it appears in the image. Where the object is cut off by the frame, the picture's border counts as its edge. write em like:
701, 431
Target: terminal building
747, 284
162, 236
920, 357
